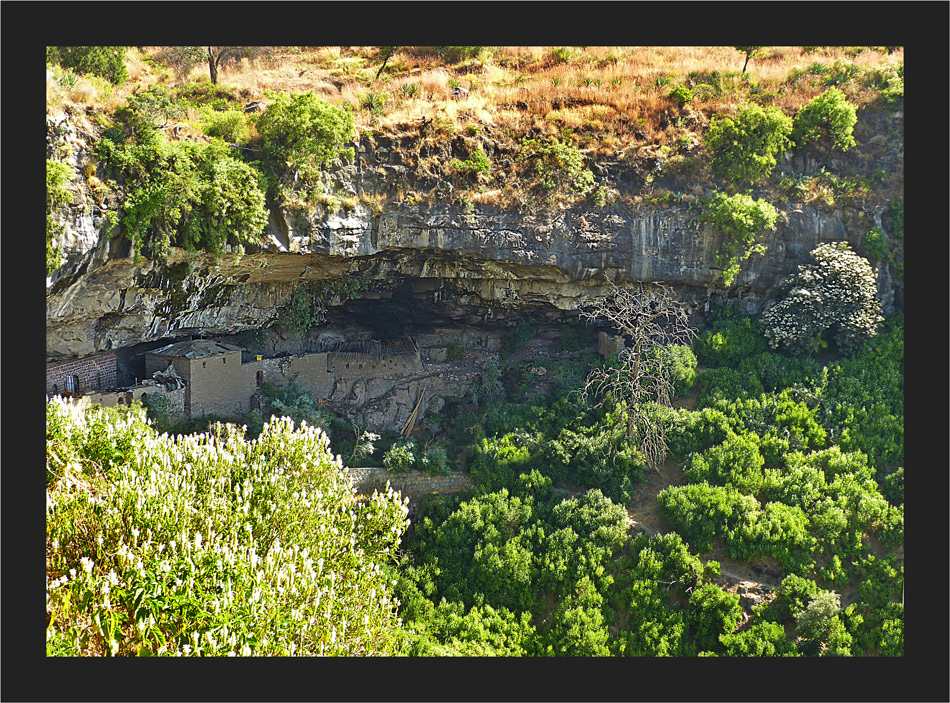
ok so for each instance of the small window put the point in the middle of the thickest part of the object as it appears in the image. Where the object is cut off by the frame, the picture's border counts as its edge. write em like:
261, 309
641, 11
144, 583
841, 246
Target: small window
55, 389
204, 364
98, 381
224, 359
260, 379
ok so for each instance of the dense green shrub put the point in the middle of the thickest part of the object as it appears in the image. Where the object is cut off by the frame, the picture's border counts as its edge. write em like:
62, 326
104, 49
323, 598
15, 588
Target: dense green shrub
230, 125
737, 461
681, 95
691, 431
875, 241
556, 165
303, 133
712, 613
700, 512
732, 336
104, 61
293, 400
744, 149
764, 639
829, 115
186, 194
836, 295
682, 365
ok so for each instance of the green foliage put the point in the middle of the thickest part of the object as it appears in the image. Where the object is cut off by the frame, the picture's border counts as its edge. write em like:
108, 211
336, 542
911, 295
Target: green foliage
555, 165
750, 52
836, 295
229, 125
681, 95
742, 220
744, 149
150, 110
187, 194
454, 351
875, 241
515, 338
764, 639
731, 337
210, 544
712, 613
682, 365
204, 93
58, 175
691, 431
373, 102
574, 337
400, 458
897, 210
829, 115
302, 133
104, 61
408, 456
307, 305
293, 400
701, 512
737, 461
477, 162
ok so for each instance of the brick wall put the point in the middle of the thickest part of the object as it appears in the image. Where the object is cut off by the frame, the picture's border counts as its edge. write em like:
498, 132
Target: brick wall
93, 373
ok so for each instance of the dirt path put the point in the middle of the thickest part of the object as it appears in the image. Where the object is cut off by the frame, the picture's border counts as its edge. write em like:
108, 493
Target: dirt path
643, 516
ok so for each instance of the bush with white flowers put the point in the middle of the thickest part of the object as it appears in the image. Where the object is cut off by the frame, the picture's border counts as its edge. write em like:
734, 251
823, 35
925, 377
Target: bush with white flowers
210, 544
835, 296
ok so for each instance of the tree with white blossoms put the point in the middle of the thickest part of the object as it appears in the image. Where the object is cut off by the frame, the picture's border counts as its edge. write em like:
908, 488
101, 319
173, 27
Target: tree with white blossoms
832, 299
210, 544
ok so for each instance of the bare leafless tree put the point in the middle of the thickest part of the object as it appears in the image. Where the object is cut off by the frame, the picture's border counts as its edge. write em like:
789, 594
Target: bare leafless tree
650, 320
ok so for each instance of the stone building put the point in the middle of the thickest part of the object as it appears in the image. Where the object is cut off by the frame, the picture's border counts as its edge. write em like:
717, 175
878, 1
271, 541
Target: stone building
209, 377
78, 376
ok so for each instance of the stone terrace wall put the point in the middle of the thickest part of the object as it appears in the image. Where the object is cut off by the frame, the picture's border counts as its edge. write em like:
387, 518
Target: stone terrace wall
412, 483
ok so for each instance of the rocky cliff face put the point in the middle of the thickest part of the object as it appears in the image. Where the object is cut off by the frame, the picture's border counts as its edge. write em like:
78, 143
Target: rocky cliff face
471, 265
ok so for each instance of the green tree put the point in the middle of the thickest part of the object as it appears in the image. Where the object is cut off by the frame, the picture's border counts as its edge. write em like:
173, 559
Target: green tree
742, 220
744, 149
104, 61
764, 639
829, 115
712, 613
751, 52
385, 53
184, 58
302, 132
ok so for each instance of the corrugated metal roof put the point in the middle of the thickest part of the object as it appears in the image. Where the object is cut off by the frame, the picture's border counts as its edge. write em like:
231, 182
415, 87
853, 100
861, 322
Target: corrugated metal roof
195, 349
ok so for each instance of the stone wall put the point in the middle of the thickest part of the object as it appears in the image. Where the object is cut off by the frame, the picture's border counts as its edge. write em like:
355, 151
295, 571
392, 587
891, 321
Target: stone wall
128, 396
412, 483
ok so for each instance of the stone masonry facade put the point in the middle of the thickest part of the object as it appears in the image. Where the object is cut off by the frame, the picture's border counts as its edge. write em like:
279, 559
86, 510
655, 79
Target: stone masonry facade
81, 375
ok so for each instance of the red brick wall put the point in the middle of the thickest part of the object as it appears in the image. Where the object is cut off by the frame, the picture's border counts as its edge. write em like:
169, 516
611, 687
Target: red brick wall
94, 373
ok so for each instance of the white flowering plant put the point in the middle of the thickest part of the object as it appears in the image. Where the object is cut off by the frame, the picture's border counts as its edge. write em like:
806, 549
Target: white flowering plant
210, 544
836, 296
